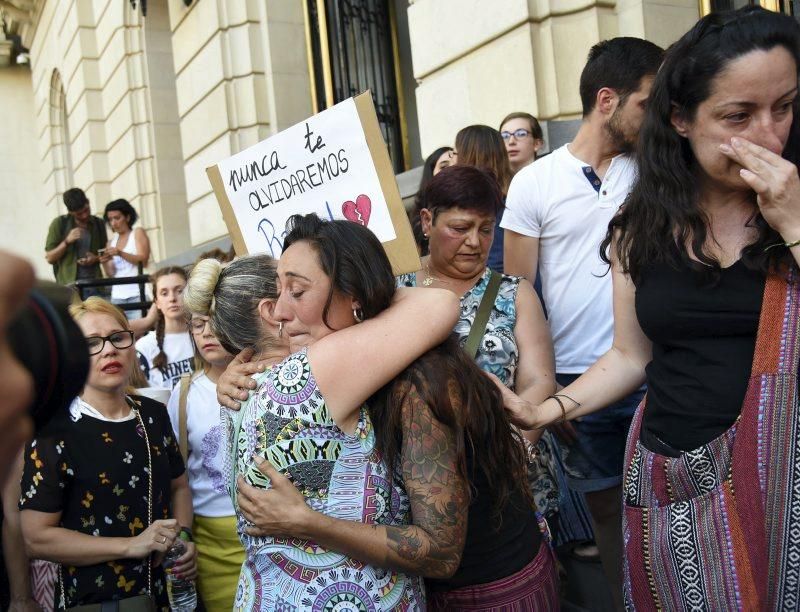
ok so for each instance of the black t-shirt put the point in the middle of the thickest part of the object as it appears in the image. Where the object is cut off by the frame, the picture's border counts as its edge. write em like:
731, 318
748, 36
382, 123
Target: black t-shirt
95, 473
493, 551
703, 342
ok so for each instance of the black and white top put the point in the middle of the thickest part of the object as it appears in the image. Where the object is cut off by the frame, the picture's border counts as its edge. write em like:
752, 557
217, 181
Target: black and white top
94, 472
180, 358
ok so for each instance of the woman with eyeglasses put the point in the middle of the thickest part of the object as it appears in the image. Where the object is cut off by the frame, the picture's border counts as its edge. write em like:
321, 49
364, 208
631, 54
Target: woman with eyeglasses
194, 411
523, 137
104, 490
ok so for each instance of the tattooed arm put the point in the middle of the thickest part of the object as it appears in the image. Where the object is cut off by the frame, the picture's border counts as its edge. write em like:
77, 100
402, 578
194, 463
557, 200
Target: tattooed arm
432, 546
439, 496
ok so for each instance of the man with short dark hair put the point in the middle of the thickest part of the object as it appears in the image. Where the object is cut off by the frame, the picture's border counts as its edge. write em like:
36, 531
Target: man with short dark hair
73, 241
557, 213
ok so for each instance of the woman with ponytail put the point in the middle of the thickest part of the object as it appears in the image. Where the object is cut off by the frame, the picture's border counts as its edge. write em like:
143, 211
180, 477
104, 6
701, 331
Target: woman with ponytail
166, 353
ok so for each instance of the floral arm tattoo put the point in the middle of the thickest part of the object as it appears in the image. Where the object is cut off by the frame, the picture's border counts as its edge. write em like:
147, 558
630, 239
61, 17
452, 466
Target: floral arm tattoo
432, 546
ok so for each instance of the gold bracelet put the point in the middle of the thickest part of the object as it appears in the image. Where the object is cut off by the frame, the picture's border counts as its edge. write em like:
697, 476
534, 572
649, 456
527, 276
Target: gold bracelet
563, 409
788, 245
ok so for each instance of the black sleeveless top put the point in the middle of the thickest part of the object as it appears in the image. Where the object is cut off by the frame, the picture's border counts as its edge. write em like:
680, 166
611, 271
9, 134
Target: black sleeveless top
493, 549
703, 342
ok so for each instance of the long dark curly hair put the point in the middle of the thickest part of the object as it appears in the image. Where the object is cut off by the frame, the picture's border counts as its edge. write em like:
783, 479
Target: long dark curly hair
461, 397
662, 213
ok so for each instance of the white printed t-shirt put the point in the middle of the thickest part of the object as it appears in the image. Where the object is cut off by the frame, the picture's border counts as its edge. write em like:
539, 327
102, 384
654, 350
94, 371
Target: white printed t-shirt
207, 446
180, 352
554, 199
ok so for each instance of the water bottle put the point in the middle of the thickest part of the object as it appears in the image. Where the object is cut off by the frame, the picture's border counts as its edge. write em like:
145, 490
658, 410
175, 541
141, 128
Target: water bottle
182, 594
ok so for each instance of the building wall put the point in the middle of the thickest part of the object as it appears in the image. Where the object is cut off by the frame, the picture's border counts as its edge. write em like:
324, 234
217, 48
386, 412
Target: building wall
96, 49
149, 103
21, 193
532, 51
241, 75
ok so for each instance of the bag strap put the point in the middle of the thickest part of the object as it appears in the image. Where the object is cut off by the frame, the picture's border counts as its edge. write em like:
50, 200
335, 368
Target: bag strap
135, 406
183, 428
478, 328
237, 425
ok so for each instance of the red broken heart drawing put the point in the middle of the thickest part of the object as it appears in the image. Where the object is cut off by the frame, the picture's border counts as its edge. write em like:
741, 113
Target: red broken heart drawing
358, 211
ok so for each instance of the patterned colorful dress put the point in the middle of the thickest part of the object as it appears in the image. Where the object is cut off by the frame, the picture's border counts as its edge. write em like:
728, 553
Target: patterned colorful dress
95, 473
287, 422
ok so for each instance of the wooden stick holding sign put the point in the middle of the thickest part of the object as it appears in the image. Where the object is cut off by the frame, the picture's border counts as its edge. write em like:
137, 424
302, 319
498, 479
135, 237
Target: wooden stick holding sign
335, 164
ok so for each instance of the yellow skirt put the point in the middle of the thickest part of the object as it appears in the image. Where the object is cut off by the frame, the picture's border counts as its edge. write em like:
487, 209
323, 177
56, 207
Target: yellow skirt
219, 560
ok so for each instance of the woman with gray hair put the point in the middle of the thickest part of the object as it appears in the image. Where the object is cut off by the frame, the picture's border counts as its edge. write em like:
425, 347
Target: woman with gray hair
239, 289
194, 412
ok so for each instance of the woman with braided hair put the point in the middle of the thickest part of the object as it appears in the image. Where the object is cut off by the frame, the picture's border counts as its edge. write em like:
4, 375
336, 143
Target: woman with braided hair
166, 353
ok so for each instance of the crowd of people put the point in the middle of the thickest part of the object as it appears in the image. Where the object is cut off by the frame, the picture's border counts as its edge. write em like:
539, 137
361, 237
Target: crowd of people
601, 348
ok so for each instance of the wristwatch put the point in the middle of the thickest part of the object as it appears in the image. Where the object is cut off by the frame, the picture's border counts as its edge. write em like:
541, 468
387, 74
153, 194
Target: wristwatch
186, 534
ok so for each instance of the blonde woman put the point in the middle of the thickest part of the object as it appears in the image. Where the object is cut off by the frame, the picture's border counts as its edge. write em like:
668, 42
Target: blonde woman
104, 492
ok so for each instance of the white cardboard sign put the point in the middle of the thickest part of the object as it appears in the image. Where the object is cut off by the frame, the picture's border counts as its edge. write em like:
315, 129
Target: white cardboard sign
323, 165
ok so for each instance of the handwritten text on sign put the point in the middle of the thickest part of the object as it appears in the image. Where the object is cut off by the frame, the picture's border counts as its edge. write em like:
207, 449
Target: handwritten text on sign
321, 165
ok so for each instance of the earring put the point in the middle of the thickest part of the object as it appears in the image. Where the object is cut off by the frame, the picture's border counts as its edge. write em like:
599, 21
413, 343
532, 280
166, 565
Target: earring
280, 329
358, 315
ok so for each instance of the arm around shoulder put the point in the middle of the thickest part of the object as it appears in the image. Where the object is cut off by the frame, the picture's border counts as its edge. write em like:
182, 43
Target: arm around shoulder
378, 349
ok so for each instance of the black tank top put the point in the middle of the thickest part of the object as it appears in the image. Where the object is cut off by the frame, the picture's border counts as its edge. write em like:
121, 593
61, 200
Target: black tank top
493, 550
703, 342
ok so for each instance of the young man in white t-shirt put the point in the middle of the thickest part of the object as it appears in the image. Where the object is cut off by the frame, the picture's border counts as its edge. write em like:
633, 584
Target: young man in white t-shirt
557, 214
